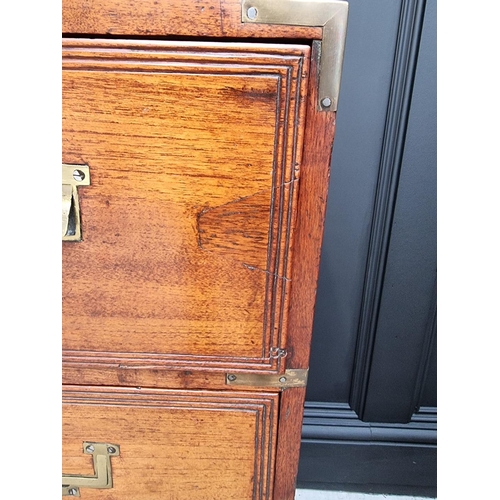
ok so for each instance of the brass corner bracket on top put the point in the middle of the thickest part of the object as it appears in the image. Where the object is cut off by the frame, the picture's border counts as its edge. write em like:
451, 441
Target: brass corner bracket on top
331, 15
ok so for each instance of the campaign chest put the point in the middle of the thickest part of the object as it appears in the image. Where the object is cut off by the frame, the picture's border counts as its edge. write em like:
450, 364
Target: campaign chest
196, 148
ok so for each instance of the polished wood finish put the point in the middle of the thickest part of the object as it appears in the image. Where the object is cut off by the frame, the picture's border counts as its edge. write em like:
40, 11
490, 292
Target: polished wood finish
315, 178
288, 447
203, 18
202, 231
315, 173
143, 376
216, 445
194, 152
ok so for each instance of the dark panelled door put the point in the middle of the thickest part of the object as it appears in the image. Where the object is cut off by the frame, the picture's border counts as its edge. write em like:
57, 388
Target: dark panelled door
370, 418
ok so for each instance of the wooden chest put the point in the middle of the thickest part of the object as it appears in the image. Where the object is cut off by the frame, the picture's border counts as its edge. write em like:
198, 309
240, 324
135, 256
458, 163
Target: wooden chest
196, 147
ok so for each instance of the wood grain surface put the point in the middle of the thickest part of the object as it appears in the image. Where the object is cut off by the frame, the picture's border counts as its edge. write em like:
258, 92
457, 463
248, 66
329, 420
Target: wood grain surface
175, 445
315, 179
194, 152
315, 174
198, 18
202, 231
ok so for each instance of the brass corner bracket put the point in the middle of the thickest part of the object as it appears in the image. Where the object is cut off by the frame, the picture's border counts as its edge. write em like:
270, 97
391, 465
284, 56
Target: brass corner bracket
329, 14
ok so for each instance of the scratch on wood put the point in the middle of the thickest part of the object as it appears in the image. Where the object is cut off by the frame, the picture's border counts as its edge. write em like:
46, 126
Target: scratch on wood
221, 18
198, 230
253, 268
242, 198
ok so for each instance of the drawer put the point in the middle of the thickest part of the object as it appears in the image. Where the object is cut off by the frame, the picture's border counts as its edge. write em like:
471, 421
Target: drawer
194, 152
189, 445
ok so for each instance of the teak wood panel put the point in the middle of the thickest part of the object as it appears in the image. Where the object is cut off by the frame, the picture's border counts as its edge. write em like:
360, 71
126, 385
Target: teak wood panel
194, 152
181, 445
318, 142
200, 18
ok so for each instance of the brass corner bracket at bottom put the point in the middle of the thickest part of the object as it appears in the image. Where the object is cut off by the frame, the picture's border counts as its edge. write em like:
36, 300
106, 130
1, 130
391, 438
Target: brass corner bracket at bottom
291, 378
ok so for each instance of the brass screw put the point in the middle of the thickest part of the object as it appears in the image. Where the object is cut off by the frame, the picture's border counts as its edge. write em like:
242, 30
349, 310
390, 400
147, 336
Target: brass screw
78, 175
252, 13
326, 102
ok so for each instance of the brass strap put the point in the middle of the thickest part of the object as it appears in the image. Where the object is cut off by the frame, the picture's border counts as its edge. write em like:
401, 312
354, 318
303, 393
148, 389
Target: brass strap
291, 378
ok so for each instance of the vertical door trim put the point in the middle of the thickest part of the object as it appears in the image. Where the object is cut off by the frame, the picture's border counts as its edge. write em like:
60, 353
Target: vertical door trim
403, 76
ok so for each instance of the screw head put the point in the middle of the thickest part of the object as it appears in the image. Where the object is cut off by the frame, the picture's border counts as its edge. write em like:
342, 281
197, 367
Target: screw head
89, 448
282, 380
231, 378
326, 102
78, 175
252, 13
72, 492
111, 449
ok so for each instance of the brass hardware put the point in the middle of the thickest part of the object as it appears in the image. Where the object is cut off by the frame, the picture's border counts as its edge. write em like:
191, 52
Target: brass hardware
72, 177
102, 478
291, 378
329, 14
276, 353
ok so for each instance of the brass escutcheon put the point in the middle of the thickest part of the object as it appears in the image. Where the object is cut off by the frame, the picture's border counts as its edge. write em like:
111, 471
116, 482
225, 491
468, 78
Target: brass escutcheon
102, 478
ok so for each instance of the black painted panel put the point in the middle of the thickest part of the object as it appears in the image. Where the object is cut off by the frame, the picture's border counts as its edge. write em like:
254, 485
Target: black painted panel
339, 450
366, 78
337, 422
385, 469
429, 389
402, 343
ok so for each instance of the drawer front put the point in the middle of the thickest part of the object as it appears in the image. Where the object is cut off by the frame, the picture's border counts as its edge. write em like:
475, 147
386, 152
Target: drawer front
194, 152
177, 445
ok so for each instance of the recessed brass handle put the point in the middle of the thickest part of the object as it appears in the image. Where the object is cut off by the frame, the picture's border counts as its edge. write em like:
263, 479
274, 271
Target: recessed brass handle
72, 177
102, 478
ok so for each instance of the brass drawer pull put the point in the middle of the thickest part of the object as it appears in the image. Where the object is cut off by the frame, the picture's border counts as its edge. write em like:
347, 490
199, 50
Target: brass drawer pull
72, 177
102, 478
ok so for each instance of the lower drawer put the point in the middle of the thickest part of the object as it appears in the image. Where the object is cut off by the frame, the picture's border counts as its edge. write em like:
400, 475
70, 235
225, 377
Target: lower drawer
171, 444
